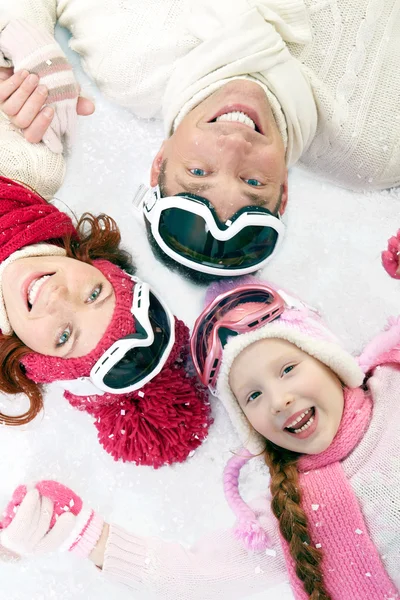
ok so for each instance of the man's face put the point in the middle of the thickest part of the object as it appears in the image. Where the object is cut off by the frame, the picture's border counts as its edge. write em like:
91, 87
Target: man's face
227, 161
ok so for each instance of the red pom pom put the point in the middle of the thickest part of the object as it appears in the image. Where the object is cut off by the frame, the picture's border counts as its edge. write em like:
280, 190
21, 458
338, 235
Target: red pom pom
157, 426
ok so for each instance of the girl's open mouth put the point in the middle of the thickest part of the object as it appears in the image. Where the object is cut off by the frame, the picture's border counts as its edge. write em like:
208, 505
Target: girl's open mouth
302, 423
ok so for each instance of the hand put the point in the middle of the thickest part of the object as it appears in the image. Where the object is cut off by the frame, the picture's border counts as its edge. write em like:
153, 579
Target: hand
391, 256
30, 532
22, 100
49, 517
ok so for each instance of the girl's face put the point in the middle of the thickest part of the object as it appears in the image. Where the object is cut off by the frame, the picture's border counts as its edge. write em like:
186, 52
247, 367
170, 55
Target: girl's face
288, 396
56, 305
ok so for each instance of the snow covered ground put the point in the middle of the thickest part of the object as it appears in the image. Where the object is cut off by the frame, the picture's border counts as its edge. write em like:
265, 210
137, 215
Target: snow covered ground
331, 258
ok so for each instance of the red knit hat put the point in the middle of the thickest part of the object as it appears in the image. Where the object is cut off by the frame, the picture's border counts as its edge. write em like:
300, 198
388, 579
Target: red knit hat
159, 424
26, 218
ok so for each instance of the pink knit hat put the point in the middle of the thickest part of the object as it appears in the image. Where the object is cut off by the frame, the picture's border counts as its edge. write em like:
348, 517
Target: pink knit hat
159, 424
298, 324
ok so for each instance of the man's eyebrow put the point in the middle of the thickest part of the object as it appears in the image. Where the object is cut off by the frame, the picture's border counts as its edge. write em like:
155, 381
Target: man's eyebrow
193, 188
258, 200
196, 188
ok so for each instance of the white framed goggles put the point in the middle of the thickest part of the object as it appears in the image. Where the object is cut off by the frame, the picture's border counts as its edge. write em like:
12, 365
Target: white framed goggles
187, 228
137, 358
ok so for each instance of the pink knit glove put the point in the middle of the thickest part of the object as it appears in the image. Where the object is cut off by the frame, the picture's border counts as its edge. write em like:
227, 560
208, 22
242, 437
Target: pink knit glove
391, 256
37, 51
46, 518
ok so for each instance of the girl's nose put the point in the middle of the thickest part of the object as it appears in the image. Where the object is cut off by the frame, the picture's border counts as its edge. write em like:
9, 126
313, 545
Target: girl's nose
281, 402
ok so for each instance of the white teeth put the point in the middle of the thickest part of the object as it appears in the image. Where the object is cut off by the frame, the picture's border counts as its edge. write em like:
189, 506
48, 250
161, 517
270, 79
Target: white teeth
291, 426
239, 117
306, 426
35, 287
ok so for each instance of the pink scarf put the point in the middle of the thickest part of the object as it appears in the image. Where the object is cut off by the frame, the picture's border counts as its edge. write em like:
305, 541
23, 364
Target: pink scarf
351, 564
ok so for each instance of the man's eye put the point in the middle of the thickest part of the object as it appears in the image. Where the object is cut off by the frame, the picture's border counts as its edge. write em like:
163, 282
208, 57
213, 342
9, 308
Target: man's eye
198, 172
253, 397
253, 182
95, 293
64, 337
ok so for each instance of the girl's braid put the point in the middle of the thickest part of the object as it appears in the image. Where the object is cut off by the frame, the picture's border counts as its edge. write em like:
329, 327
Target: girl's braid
286, 506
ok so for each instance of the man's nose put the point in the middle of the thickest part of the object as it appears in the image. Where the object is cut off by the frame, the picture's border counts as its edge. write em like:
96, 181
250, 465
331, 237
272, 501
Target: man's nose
233, 146
280, 401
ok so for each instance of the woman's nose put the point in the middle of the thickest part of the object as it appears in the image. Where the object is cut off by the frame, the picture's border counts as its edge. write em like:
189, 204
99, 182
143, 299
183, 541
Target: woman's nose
57, 300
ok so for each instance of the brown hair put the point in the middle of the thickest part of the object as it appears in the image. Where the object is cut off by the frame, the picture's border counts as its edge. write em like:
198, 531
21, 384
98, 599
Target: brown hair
293, 524
98, 238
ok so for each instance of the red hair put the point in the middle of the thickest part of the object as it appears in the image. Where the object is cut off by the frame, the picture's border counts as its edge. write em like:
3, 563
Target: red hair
293, 524
98, 237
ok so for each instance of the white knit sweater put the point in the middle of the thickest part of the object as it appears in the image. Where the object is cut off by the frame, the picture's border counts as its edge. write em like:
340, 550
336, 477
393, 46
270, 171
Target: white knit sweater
344, 56
219, 567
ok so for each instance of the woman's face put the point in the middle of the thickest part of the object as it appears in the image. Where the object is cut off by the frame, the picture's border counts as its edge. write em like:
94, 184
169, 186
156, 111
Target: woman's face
288, 396
56, 305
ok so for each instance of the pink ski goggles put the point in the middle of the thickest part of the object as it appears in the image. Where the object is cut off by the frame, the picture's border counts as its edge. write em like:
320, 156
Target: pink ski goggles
242, 309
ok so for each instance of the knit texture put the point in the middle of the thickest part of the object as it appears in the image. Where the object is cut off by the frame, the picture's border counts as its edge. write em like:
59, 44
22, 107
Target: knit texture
88, 525
159, 424
26, 218
34, 165
350, 64
35, 50
218, 566
335, 521
164, 421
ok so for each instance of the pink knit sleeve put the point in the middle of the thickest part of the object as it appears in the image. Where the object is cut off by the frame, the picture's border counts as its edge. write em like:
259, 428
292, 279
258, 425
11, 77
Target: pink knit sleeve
217, 566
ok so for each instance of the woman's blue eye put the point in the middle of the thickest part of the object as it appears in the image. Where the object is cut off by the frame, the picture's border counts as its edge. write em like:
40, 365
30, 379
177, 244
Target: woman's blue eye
64, 337
95, 294
253, 396
253, 182
198, 172
287, 370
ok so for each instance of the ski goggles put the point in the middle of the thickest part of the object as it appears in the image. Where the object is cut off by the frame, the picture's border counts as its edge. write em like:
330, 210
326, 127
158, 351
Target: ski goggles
240, 310
137, 358
187, 228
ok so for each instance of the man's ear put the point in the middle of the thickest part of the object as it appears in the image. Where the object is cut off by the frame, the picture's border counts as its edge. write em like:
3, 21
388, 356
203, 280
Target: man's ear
156, 166
285, 196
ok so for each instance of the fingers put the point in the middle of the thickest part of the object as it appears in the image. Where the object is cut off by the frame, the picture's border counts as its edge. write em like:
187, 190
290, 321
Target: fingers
24, 104
17, 534
7, 556
58, 534
85, 107
5, 73
52, 141
42, 525
36, 130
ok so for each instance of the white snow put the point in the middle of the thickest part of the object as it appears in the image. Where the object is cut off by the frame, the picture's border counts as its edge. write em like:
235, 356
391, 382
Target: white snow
330, 258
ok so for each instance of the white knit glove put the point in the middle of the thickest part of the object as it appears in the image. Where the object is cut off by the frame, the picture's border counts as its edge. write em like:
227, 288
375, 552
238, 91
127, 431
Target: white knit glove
49, 517
28, 533
38, 52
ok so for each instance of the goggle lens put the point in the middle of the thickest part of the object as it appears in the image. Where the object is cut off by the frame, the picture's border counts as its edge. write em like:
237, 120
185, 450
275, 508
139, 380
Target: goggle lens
187, 234
141, 361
